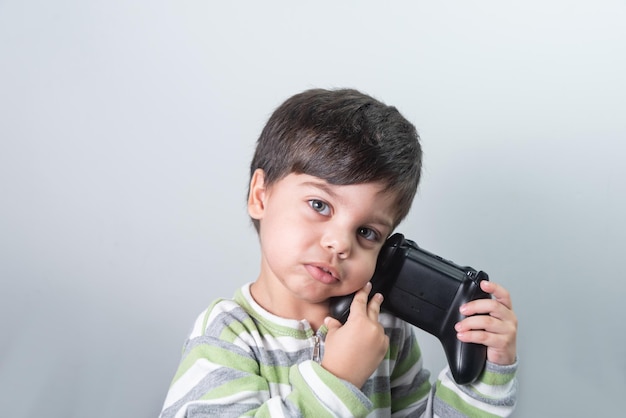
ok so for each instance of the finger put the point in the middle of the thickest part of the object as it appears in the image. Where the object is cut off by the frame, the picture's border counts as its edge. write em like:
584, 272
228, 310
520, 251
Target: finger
359, 302
500, 346
486, 307
499, 293
485, 323
489, 339
332, 324
373, 307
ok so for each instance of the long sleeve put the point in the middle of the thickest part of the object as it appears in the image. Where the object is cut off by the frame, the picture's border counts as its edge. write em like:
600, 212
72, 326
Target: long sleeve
240, 360
493, 394
233, 365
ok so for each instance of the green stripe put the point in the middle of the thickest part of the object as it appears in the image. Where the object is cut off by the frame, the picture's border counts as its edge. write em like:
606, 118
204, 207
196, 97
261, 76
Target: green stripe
275, 374
381, 400
343, 392
455, 401
405, 363
245, 384
306, 400
496, 379
216, 355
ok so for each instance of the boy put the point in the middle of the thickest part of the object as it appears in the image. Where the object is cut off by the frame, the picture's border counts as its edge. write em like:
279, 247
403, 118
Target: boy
333, 174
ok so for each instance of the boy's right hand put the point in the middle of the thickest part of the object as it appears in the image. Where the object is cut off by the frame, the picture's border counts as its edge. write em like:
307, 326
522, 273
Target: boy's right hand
354, 350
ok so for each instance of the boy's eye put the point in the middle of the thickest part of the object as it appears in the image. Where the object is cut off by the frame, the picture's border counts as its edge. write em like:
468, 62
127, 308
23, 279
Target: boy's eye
320, 206
368, 234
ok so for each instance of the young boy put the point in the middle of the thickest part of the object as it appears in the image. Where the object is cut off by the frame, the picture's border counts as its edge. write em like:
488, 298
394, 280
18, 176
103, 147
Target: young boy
333, 174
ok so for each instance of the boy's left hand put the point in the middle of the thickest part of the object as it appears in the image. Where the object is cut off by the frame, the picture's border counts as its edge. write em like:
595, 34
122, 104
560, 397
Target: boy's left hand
496, 327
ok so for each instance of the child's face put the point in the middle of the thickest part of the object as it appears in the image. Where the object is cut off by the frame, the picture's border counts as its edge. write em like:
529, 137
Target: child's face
317, 239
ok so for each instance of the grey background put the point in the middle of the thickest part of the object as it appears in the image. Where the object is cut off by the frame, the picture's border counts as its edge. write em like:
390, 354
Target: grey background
126, 128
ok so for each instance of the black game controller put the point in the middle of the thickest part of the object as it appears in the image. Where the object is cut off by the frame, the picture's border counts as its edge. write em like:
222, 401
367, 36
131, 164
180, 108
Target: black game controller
427, 291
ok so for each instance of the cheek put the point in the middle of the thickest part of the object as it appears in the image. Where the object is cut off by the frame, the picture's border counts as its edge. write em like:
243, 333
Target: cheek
274, 238
364, 270
283, 237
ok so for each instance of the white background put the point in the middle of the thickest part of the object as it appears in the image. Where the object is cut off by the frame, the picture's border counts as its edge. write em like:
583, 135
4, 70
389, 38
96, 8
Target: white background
126, 129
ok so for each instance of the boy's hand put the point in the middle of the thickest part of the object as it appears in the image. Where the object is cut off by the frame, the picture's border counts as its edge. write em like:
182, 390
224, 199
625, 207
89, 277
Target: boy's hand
496, 327
353, 351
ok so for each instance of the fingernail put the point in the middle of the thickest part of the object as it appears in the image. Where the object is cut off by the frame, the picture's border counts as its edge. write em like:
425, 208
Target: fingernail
463, 309
457, 326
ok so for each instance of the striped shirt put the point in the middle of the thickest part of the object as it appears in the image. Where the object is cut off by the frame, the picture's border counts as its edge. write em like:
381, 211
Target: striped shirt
241, 360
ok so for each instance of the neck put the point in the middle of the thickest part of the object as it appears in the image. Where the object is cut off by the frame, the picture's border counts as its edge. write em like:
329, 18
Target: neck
288, 307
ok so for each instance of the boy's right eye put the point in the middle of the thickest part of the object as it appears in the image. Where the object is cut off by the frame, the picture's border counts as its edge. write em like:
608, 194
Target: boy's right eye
320, 206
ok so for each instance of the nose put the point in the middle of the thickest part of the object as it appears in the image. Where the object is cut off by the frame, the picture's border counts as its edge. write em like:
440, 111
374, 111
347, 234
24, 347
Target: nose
338, 242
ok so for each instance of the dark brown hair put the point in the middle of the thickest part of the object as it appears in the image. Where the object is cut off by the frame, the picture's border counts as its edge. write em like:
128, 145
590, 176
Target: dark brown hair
344, 137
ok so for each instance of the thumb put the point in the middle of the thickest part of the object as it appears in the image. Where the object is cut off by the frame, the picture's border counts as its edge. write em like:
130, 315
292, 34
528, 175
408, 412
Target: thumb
332, 324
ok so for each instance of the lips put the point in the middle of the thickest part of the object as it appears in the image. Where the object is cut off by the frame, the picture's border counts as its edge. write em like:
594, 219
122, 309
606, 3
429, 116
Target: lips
324, 274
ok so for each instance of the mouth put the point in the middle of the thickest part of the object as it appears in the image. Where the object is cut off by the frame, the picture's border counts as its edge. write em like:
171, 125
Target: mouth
324, 274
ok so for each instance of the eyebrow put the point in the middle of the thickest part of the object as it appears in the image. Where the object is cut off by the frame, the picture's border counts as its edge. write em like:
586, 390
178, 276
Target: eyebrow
384, 222
321, 185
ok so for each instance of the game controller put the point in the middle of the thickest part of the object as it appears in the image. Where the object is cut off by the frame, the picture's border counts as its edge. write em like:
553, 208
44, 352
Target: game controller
427, 291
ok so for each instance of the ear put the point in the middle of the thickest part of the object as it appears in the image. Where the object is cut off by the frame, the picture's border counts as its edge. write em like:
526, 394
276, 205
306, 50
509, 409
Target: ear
256, 197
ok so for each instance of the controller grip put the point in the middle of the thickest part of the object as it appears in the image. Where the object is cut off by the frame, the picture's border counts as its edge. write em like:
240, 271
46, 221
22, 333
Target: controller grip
340, 307
466, 360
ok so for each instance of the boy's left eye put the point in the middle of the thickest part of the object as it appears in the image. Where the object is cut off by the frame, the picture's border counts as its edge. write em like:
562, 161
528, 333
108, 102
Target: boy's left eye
368, 233
320, 206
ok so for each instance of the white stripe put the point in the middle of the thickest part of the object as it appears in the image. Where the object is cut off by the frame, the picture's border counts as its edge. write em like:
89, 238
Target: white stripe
500, 411
198, 371
328, 398
249, 339
197, 329
246, 341
253, 398
289, 343
189, 380
495, 391
275, 407
280, 389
